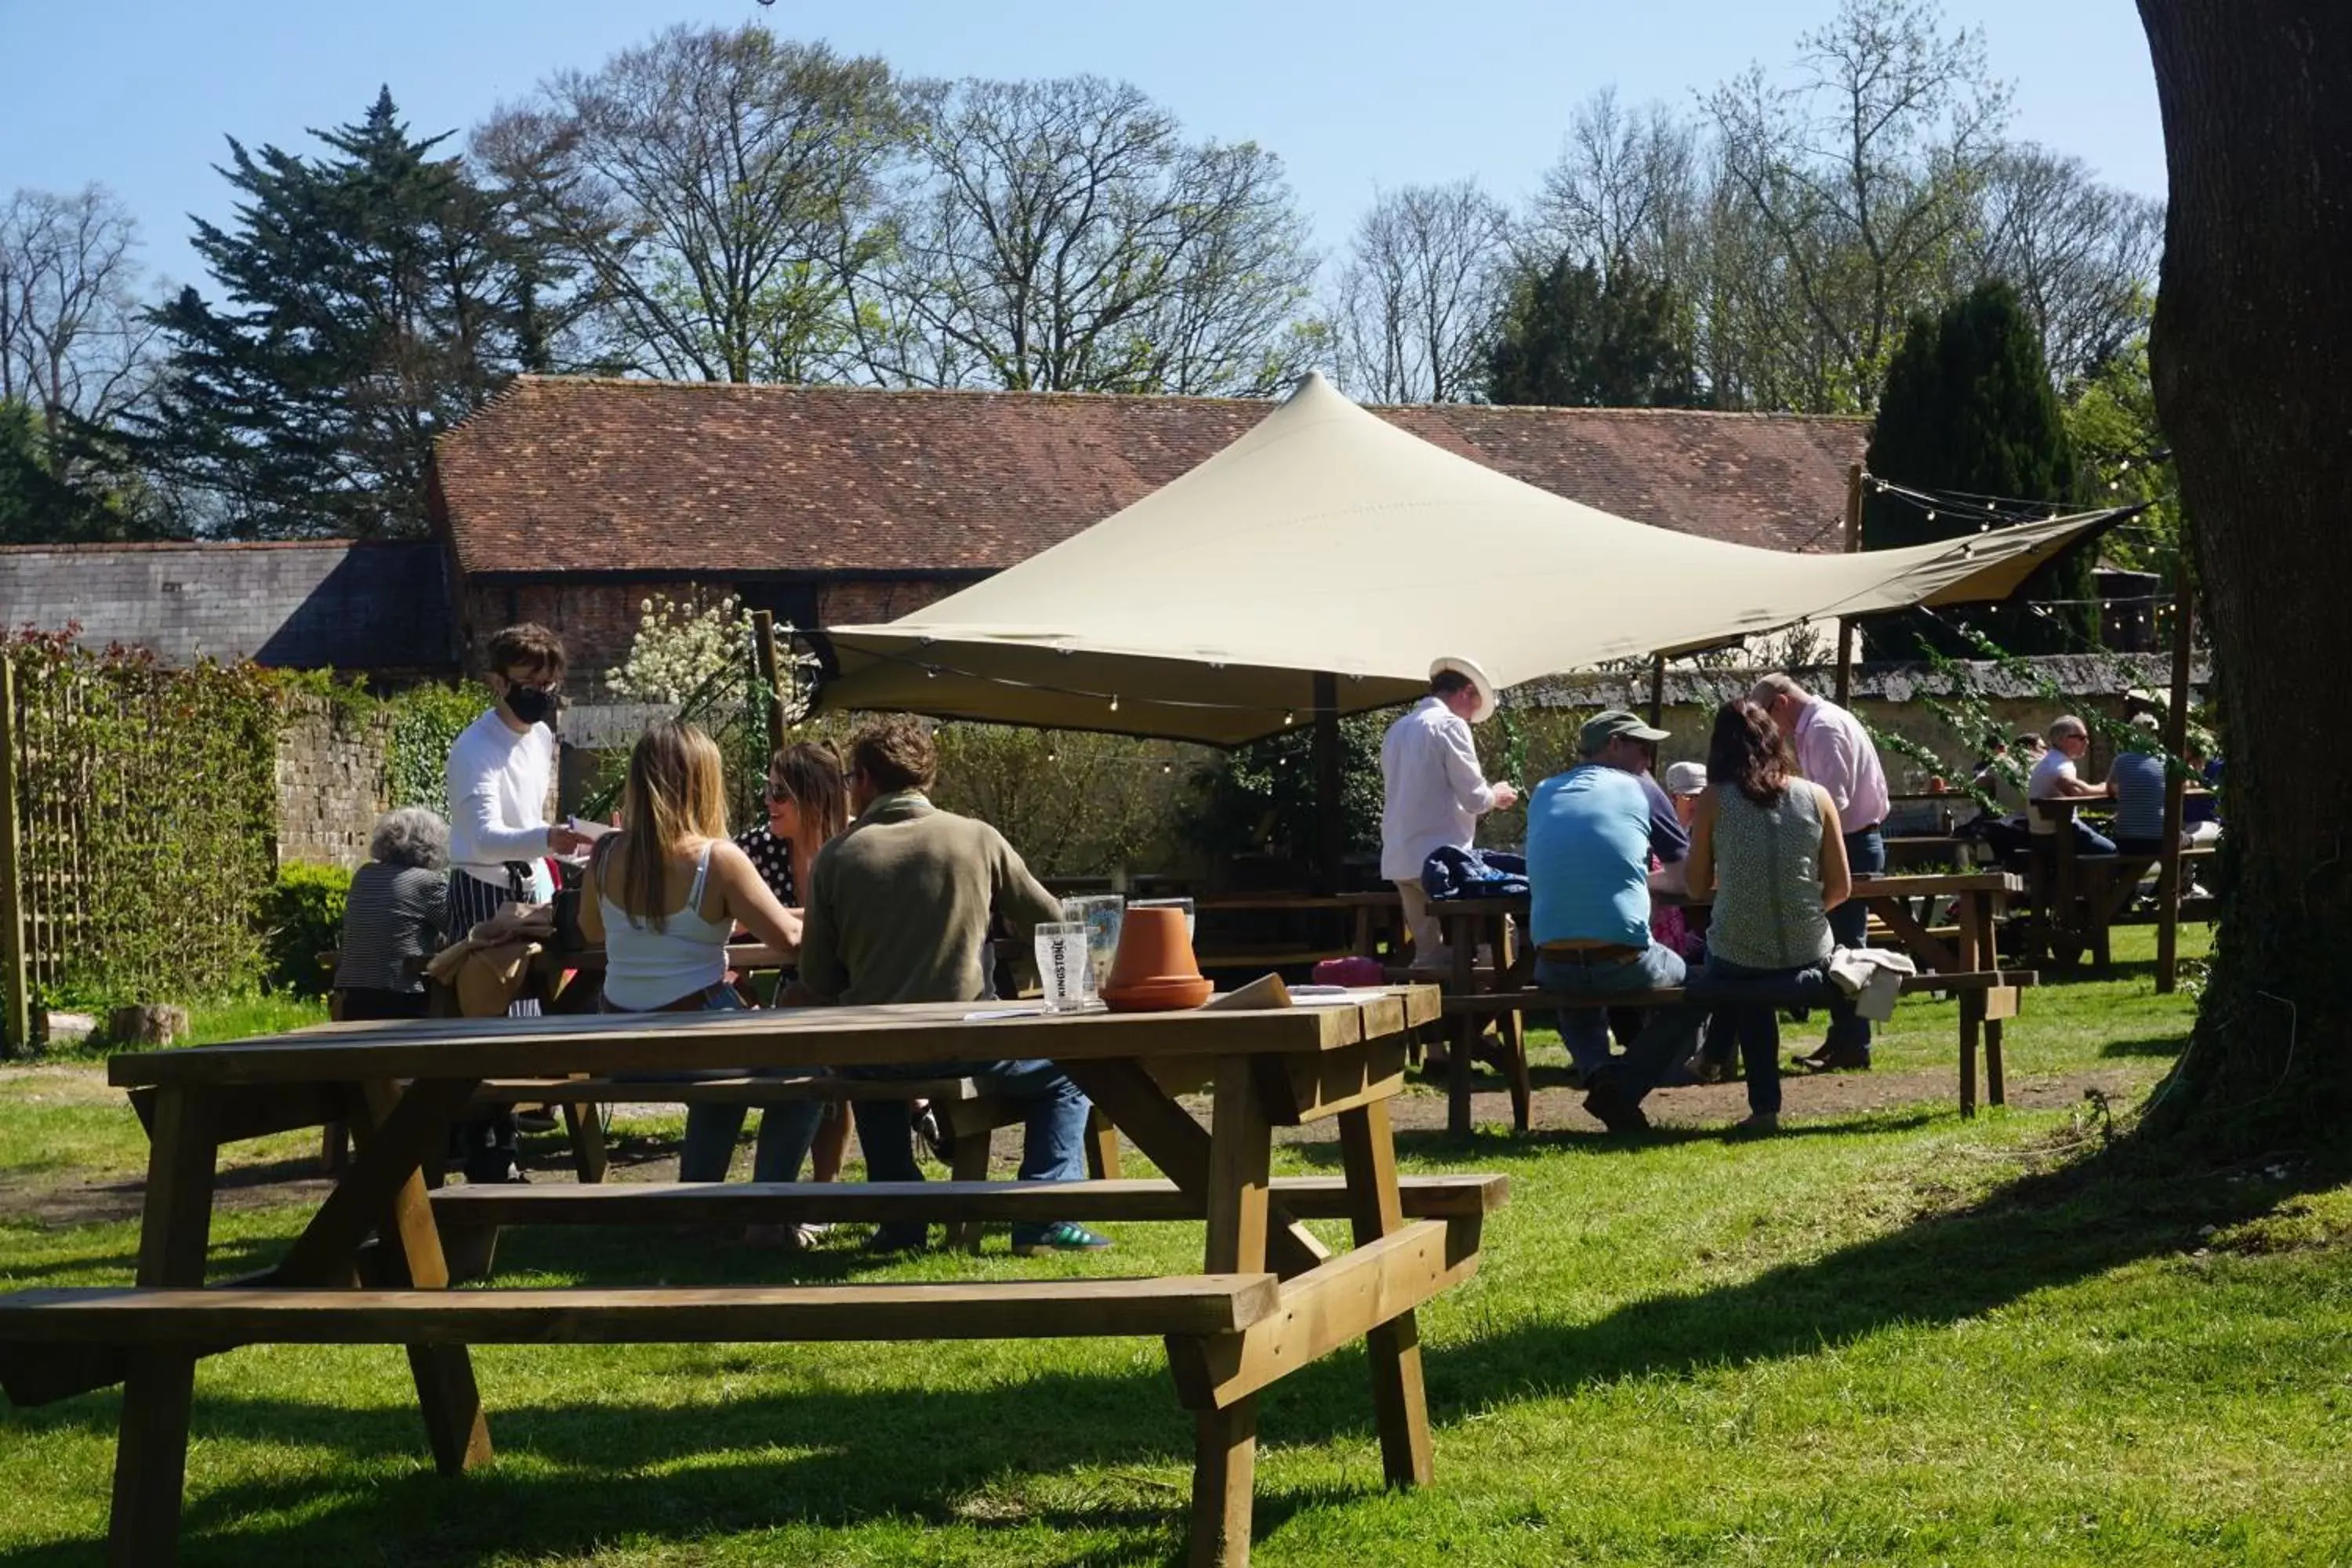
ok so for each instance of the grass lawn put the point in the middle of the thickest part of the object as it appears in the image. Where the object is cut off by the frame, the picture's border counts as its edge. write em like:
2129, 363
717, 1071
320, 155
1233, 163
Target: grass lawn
1885, 1336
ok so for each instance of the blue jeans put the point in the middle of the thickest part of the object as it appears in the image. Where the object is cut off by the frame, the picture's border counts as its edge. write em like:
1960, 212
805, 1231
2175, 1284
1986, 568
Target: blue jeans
2089, 840
1866, 855
1728, 988
785, 1131
1053, 1124
1585, 1030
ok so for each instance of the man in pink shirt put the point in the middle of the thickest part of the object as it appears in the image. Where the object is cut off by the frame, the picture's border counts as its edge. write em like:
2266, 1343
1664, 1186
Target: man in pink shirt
1835, 751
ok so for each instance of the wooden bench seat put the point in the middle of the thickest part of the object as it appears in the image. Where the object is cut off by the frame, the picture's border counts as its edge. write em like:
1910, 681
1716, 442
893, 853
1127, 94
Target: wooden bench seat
743, 1091
1988, 998
1448, 1197
1177, 1304
1516, 1001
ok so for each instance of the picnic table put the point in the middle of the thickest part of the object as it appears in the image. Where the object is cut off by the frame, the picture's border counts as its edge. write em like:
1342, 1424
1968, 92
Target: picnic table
1269, 1298
1370, 915
1961, 955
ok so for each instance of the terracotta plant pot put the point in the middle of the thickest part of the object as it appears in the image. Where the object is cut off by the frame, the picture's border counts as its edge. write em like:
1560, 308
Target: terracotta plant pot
1154, 970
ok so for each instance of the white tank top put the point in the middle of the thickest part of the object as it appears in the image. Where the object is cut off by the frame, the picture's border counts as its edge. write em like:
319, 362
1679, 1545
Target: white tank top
645, 968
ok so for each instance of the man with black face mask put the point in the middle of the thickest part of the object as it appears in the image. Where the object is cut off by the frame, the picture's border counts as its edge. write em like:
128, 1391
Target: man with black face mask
500, 772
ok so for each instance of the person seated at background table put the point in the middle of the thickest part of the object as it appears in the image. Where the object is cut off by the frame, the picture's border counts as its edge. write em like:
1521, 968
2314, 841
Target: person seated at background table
2057, 777
2138, 778
1590, 834
1834, 750
2000, 778
807, 803
1767, 843
664, 894
1672, 925
393, 917
899, 908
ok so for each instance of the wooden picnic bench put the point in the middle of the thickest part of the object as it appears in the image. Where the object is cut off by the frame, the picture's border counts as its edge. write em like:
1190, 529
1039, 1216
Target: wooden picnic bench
1960, 959
1372, 916
2076, 900
1270, 1296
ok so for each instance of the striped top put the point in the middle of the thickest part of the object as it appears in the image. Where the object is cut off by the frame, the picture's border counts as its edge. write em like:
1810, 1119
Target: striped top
394, 913
1768, 877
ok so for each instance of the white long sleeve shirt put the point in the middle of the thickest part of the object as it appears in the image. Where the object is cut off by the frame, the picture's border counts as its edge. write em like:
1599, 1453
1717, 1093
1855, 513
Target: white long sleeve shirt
497, 796
1434, 790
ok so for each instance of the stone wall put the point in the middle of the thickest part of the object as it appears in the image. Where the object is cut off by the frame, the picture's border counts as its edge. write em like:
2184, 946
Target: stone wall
1889, 697
332, 784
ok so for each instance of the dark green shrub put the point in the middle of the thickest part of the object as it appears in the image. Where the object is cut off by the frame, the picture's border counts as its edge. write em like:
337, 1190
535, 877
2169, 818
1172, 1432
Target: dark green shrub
303, 917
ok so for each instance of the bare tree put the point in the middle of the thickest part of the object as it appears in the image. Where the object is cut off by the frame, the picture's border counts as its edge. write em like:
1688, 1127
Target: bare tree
1419, 295
1626, 191
1060, 236
716, 185
1862, 173
2081, 255
76, 344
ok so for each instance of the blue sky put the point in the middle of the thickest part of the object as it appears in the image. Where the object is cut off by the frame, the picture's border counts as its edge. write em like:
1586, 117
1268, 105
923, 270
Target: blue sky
1355, 96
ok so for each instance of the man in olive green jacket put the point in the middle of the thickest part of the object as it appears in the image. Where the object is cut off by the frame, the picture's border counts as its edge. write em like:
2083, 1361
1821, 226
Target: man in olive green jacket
897, 910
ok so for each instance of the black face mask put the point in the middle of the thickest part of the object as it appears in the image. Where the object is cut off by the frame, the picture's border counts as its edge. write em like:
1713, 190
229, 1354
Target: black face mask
531, 704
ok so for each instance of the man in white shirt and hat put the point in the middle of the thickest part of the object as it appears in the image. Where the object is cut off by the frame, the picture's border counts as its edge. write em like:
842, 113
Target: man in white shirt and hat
1433, 791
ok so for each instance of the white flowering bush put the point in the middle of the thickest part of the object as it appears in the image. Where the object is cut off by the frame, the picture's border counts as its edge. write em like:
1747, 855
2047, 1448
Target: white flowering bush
684, 649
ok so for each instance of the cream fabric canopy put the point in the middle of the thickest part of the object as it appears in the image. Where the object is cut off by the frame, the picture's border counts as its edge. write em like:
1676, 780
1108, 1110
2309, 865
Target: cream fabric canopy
1328, 540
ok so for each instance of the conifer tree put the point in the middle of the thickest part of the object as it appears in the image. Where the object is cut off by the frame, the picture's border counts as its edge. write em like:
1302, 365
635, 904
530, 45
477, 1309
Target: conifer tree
1571, 337
367, 299
1968, 412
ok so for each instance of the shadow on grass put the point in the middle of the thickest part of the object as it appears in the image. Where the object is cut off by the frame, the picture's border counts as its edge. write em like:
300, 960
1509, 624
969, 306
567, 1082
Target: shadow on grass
2156, 1046
576, 1476
583, 1473
2040, 1230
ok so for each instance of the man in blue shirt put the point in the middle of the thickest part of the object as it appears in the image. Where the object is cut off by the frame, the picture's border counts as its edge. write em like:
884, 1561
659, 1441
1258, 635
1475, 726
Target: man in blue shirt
1592, 832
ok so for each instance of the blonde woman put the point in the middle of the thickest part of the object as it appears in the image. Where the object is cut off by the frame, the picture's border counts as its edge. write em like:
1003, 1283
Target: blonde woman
663, 895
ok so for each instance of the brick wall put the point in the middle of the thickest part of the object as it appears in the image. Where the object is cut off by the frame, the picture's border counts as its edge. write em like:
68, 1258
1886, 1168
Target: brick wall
868, 601
330, 785
597, 620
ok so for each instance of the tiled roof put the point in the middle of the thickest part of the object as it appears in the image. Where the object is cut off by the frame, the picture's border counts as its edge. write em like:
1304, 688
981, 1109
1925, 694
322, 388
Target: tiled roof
306, 604
579, 474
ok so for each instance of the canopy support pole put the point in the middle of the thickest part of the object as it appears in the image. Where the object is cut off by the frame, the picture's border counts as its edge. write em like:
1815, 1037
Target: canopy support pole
1658, 688
1330, 809
1852, 543
765, 665
2176, 742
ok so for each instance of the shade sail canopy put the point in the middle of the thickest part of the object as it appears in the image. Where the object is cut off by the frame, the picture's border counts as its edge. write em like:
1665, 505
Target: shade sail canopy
1327, 540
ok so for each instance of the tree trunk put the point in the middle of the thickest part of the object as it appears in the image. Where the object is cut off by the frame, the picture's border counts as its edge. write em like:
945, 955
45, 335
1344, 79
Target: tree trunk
2252, 359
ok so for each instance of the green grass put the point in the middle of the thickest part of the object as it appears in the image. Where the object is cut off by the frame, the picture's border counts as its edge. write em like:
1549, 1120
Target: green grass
1892, 1337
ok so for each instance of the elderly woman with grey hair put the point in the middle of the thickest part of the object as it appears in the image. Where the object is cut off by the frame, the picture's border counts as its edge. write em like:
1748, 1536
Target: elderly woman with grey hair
395, 918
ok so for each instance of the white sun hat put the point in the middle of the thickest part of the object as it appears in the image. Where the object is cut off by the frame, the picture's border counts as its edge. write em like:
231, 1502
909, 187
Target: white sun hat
1468, 668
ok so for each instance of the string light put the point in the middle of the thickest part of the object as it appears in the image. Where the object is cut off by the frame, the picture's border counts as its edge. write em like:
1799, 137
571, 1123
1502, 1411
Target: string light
1114, 701
1289, 718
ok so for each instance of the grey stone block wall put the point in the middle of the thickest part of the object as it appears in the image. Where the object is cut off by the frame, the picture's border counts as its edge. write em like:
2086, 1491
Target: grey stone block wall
332, 784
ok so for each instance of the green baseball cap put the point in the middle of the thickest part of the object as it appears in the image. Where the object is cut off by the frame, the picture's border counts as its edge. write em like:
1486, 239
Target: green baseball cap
1603, 727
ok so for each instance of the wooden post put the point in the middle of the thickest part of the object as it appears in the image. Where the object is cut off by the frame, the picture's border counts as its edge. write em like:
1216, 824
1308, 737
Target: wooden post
1852, 543
2176, 741
763, 657
16, 1019
1330, 813
1658, 688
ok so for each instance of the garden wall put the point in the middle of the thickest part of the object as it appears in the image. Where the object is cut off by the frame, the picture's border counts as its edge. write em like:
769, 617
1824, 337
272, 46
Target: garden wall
333, 780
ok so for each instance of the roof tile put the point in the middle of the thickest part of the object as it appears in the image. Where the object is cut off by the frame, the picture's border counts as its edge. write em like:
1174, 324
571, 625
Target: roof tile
601, 474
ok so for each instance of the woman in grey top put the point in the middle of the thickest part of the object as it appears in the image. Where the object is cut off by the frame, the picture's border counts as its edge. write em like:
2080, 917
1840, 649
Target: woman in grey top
1768, 844
395, 916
